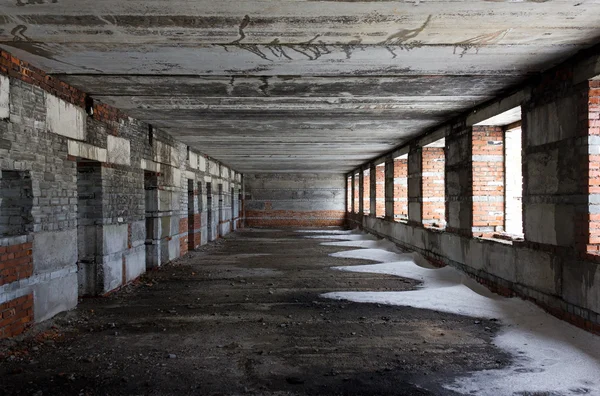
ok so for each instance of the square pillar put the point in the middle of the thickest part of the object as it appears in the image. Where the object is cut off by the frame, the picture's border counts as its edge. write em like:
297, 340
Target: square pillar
560, 166
352, 193
415, 214
400, 189
372, 190
433, 194
389, 189
459, 186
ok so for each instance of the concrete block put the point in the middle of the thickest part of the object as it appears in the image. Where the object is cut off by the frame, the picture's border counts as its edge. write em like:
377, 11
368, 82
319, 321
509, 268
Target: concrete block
87, 151
540, 223
169, 250
153, 256
542, 173
414, 211
119, 150
64, 118
112, 266
135, 262
171, 176
453, 247
581, 284
4, 97
459, 214
54, 250
499, 260
474, 254
167, 201
138, 233
539, 270
114, 238
550, 223
150, 166
193, 160
551, 122
54, 296
166, 154
414, 187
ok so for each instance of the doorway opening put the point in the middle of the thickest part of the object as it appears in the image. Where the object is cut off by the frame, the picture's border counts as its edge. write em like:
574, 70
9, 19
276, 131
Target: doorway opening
209, 216
89, 227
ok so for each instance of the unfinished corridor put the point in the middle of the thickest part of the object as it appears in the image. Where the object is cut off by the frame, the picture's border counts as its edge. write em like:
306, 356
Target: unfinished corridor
246, 316
300, 197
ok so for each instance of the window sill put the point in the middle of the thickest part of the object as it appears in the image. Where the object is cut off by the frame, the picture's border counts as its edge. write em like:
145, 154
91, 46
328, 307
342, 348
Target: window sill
505, 239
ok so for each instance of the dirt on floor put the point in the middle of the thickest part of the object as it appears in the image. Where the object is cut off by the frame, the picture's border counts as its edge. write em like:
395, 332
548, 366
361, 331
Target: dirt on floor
244, 315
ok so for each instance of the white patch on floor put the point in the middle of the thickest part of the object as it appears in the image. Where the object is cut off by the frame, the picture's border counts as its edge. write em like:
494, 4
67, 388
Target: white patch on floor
549, 355
340, 232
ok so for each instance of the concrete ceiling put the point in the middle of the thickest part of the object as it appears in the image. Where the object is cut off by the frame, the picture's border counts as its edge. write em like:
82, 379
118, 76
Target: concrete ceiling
296, 85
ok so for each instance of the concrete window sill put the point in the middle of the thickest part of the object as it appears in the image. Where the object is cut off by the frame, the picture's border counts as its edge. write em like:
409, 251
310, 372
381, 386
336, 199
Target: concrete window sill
503, 238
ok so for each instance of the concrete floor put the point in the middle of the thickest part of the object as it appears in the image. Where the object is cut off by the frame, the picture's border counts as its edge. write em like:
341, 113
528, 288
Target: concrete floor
244, 316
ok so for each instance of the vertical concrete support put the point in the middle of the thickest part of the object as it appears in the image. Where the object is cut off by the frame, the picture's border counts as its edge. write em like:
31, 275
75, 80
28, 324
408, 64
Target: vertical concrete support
356, 203
202, 203
372, 190
433, 194
361, 191
389, 189
459, 185
400, 189
488, 180
415, 213
556, 166
221, 211
352, 194
153, 223
194, 216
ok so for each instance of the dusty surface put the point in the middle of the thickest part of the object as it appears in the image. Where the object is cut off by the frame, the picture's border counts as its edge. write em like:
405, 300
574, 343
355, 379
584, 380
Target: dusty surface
244, 316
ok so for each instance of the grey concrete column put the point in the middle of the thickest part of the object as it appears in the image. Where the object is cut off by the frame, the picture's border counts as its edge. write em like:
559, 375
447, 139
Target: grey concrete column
361, 192
459, 188
389, 189
372, 190
415, 187
353, 209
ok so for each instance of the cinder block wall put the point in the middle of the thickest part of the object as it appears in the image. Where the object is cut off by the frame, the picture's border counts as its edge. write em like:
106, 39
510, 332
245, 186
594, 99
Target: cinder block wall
81, 240
294, 200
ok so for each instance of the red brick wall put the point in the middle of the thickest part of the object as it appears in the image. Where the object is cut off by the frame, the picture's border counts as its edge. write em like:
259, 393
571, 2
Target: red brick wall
15, 316
380, 191
488, 178
433, 186
16, 262
15, 68
366, 193
400, 189
290, 218
356, 193
593, 116
349, 195
183, 241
